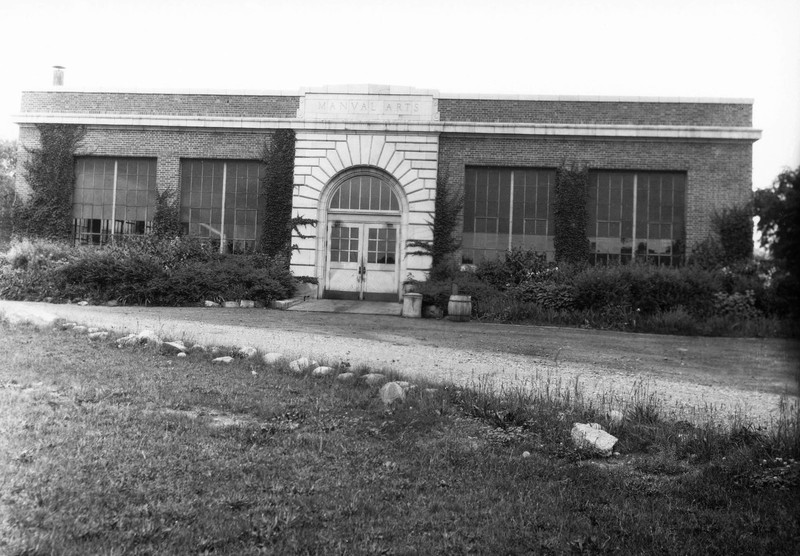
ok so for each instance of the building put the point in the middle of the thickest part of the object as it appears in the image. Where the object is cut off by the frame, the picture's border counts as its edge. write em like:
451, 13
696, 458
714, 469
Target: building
368, 159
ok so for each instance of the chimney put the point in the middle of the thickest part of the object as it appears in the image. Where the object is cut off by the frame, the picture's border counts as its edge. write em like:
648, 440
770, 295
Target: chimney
58, 76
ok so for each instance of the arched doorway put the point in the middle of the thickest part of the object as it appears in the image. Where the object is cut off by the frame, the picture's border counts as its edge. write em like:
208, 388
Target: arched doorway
364, 211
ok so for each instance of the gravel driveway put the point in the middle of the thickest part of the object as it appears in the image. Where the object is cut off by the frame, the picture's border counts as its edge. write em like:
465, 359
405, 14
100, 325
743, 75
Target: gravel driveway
691, 376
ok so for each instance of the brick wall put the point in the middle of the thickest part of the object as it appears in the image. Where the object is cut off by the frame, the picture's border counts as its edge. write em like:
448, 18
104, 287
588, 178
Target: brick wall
588, 112
160, 104
167, 146
719, 173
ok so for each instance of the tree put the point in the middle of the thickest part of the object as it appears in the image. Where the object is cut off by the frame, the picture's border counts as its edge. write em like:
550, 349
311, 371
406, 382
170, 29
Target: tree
8, 166
778, 211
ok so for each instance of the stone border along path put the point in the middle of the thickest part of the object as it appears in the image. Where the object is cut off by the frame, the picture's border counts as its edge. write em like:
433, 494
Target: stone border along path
605, 387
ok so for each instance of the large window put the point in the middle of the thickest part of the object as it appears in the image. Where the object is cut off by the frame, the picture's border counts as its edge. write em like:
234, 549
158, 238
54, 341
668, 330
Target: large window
364, 193
637, 216
113, 196
506, 208
219, 202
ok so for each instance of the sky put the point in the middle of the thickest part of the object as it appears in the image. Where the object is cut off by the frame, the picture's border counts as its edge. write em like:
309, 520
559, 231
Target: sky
668, 48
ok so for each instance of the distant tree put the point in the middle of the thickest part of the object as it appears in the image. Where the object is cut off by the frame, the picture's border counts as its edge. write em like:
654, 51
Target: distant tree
778, 210
8, 166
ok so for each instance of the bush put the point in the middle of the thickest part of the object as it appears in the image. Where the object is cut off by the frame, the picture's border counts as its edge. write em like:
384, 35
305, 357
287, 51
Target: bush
436, 293
516, 266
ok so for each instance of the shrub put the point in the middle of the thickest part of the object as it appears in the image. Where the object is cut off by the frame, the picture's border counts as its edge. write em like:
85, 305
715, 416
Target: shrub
25, 252
438, 293
516, 266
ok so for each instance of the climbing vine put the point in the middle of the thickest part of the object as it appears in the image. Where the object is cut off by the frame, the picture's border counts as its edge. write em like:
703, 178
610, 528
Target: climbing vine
167, 216
276, 197
570, 215
50, 173
444, 225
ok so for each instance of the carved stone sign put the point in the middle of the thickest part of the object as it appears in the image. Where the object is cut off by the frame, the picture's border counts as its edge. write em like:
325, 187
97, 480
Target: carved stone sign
341, 106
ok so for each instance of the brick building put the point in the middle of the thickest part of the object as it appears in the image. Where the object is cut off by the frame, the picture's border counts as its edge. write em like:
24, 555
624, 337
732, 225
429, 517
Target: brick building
368, 159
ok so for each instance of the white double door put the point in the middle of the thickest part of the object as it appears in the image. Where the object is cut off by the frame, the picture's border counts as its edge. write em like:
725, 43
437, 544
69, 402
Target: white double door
363, 259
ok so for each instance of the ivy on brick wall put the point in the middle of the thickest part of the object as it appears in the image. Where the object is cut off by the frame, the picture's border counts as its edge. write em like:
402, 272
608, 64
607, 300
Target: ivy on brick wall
167, 215
276, 197
570, 215
49, 171
445, 225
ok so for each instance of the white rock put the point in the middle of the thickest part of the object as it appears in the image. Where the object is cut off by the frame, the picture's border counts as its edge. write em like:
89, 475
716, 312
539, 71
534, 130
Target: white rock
247, 304
83, 303
615, 417
300, 365
405, 385
173, 347
322, 371
199, 348
272, 357
92, 330
226, 359
98, 335
391, 392
593, 438
373, 379
230, 304
67, 325
148, 337
129, 340
344, 377
211, 304
247, 352
526, 454
182, 354
80, 329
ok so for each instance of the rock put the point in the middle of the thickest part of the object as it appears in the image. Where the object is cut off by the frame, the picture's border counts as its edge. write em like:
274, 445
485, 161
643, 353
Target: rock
208, 303
247, 352
321, 371
148, 337
68, 325
247, 304
432, 312
226, 359
83, 303
526, 454
129, 340
405, 385
272, 357
593, 438
200, 348
230, 304
391, 393
98, 335
48, 299
344, 377
92, 330
173, 347
182, 354
373, 379
302, 364
112, 303
615, 417
79, 329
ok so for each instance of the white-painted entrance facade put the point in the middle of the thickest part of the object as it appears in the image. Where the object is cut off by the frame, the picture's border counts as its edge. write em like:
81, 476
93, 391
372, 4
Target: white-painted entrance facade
365, 169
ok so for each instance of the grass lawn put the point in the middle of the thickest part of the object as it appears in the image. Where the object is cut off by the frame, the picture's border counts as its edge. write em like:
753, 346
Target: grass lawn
129, 451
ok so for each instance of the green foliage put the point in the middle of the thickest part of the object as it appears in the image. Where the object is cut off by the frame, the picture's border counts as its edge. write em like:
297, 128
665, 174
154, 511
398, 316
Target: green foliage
276, 197
516, 266
167, 217
778, 210
141, 270
571, 216
50, 172
734, 227
444, 227
8, 166
437, 292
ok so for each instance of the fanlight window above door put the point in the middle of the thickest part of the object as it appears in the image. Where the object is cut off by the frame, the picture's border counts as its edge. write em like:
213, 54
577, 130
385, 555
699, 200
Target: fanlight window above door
364, 193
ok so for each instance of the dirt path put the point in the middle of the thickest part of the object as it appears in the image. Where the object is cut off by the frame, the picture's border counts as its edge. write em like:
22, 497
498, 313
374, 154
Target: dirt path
691, 375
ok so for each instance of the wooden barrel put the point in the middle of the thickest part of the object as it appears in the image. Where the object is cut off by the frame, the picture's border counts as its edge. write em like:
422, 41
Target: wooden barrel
459, 308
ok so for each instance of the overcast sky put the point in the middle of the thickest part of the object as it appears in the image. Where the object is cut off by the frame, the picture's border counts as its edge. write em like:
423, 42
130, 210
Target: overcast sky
687, 48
